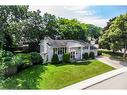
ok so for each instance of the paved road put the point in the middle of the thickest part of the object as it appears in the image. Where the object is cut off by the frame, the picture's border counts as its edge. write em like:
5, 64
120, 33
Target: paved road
112, 62
117, 82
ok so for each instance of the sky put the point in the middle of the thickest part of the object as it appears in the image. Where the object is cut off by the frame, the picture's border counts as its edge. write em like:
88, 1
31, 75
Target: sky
97, 15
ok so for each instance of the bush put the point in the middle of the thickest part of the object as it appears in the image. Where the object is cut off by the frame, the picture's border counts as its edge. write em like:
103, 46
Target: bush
66, 58
85, 56
26, 58
8, 53
17, 60
6, 58
55, 59
36, 58
99, 53
4, 53
91, 55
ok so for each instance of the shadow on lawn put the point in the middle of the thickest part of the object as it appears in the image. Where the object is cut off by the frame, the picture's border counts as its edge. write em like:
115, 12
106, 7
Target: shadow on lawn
28, 81
74, 63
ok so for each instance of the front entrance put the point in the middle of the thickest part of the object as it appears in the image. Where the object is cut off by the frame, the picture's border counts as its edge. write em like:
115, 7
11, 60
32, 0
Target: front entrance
73, 54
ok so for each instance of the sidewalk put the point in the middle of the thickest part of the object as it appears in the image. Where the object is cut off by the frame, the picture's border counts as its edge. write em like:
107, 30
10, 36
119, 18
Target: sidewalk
94, 80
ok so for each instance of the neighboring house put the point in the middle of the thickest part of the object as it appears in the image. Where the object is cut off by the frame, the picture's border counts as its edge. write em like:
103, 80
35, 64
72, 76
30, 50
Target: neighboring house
48, 47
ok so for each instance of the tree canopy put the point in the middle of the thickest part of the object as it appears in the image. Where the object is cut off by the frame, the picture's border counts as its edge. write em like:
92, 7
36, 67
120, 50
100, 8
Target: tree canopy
19, 24
115, 34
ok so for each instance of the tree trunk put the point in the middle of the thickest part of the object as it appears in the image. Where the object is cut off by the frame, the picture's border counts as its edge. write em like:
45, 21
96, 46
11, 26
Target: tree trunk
125, 49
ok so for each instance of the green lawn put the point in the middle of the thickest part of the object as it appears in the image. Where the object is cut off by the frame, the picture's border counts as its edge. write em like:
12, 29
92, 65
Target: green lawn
55, 76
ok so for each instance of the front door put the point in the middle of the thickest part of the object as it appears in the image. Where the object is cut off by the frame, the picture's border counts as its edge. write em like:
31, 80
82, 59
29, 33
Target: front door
73, 55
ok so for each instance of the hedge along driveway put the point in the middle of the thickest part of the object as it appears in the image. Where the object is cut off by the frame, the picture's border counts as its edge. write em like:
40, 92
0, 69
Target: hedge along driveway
55, 76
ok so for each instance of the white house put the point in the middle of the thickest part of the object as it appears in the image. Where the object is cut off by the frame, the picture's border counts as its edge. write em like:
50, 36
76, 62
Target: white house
48, 47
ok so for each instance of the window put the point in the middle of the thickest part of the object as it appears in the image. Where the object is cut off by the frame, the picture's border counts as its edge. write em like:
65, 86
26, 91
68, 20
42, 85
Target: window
54, 50
59, 50
72, 55
86, 47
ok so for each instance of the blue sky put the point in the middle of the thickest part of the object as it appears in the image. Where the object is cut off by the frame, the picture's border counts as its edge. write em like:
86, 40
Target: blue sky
108, 11
97, 15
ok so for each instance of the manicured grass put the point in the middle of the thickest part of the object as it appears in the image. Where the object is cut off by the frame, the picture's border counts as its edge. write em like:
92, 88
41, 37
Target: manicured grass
114, 55
55, 76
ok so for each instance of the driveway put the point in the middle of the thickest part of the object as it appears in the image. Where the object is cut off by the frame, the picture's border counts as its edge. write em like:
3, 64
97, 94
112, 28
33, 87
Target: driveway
112, 62
117, 82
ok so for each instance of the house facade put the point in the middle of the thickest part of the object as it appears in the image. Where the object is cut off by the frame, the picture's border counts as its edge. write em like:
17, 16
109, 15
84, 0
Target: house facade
48, 47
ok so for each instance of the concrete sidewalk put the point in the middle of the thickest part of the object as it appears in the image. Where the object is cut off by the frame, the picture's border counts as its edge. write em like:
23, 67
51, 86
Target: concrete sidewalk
94, 80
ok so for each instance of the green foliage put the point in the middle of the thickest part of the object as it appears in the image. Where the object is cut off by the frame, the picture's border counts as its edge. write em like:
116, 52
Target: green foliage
86, 56
66, 58
17, 60
6, 58
55, 59
115, 34
92, 55
26, 58
36, 58
55, 77
8, 15
99, 53
18, 24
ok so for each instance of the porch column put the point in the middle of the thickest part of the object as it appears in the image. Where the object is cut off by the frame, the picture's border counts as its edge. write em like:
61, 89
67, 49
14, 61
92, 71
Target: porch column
81, 51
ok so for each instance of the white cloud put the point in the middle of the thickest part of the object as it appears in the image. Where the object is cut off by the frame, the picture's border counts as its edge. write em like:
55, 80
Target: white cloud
74, 8
81, 13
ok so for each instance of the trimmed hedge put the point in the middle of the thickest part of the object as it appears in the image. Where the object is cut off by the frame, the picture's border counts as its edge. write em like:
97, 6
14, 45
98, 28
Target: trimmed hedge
92, 55
86, 56
55, 59
66, 58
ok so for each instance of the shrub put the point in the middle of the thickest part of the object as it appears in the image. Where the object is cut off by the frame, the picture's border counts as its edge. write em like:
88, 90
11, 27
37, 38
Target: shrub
55, 59
66, 58
85, 56
99, 53
91, 55
17, 60
2, 53
8, 53
26, 58
5, 55
36, 58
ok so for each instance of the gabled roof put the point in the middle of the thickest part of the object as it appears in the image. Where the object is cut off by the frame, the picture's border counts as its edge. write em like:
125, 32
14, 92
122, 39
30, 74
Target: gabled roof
63, 43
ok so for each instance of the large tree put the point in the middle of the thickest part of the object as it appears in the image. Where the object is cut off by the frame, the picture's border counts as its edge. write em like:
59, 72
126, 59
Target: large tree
116, 34
9, 14
72, 29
